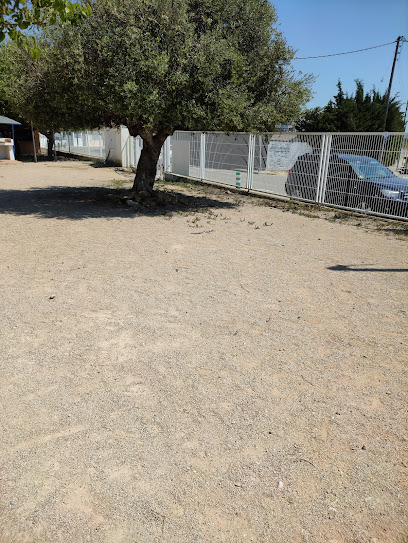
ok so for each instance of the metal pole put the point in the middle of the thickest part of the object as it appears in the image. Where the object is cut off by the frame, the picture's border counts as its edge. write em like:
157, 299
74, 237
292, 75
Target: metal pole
135, 150
14, 145
260, 153
168, 154
388, 95
325, 167
34, 149
202, 156
321, 167
400, 152
250, 166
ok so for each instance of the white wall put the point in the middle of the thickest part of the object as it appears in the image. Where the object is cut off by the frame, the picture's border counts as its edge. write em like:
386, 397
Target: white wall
123, 149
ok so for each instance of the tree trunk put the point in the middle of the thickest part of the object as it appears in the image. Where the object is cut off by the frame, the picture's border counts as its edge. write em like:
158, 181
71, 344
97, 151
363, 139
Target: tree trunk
50, 136
147, 165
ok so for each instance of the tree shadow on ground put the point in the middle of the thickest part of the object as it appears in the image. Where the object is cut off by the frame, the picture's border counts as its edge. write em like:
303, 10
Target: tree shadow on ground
358, 268
77, 203
44, 158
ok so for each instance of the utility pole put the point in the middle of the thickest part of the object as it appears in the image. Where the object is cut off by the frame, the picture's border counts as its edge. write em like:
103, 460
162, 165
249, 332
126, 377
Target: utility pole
405, 115
400, 39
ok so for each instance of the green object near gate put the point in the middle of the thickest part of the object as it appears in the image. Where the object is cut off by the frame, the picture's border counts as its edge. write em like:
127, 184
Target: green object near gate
238, 180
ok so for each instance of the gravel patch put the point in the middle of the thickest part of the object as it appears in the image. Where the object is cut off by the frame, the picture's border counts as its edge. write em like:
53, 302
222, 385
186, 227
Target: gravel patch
219, 371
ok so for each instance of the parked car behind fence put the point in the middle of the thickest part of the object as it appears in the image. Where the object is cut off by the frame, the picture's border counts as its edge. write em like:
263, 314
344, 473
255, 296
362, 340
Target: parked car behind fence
354, 181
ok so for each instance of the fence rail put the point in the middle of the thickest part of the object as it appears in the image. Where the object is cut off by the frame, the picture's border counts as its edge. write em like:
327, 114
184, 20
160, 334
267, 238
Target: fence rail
355, 171
361, 172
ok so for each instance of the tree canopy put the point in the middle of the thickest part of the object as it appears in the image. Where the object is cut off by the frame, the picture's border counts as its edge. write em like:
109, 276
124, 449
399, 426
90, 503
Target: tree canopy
207, 64
41, 89
359, 112
156, 66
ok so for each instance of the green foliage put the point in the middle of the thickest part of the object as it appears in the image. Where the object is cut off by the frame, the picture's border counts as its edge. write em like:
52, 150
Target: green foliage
361, 112
156, 66
42, 90
5, 107
19, 15
161, 65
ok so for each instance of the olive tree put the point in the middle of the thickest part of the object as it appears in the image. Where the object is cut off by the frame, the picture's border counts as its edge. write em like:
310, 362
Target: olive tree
156, 66
43, 90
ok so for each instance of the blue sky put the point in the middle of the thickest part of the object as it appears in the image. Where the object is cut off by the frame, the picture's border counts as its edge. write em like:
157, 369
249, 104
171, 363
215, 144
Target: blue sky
319, 27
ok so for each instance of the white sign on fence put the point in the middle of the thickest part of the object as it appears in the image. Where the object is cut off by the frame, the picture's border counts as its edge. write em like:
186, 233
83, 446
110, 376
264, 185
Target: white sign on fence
282, 155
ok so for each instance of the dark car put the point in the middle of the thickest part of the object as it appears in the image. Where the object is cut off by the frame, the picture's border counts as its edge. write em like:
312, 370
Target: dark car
355, 181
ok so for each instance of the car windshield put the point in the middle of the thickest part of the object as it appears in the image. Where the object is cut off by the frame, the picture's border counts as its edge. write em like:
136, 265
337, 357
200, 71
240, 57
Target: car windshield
369, 168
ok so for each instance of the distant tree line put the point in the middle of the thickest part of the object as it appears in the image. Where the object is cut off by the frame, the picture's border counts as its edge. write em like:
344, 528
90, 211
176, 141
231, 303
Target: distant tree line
358, 112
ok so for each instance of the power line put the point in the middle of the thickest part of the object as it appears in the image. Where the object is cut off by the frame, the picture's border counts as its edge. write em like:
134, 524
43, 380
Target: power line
347, 52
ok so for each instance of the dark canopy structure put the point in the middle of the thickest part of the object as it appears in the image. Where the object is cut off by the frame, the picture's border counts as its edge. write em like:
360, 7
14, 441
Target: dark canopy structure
7, 120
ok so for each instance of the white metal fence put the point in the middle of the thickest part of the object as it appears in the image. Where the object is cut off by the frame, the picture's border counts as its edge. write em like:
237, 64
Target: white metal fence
87, 143
114, 145
361, 172
131, 149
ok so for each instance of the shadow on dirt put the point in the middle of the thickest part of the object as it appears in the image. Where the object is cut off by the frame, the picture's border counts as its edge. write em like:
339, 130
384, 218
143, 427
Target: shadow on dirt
76, 203
356, 268
398, 231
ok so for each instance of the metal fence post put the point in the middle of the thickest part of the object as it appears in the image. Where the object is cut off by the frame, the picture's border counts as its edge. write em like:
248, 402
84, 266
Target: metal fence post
137, 149
251, 159
164, 151
167, 145
136, 152
132, 151
323, 167
129, 151
202, 156
400, 153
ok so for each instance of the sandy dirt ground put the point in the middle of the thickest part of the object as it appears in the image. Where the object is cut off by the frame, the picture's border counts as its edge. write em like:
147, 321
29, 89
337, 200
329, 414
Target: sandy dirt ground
224, 372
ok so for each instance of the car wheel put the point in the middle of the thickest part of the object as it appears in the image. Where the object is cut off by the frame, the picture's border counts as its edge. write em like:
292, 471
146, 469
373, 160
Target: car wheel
296, 193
